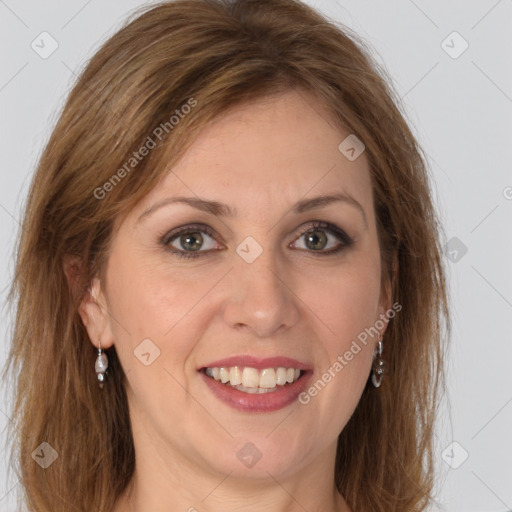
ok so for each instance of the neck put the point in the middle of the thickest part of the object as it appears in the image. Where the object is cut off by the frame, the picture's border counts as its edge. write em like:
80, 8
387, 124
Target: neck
133, 501
201, 491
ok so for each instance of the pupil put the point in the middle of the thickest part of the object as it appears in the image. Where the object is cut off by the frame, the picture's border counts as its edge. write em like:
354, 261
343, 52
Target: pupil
192, 241
314, 238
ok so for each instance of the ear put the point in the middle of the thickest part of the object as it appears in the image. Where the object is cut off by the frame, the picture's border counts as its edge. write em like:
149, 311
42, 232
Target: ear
92, 309
95, 316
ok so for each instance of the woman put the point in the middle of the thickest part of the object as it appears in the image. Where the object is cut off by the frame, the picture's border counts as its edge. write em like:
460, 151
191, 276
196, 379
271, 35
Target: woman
229, 286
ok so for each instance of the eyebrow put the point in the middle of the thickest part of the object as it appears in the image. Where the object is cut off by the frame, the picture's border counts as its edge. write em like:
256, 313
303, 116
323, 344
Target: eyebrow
223, 210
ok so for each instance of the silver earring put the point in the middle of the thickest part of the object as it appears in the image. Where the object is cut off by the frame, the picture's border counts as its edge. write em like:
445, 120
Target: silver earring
379, 365
101, 365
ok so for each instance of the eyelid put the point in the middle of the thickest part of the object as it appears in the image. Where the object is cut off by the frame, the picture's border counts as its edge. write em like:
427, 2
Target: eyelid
188, 228
165, 240
319, 224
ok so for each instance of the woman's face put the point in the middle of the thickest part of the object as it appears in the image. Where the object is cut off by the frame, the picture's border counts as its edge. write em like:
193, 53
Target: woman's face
253, 269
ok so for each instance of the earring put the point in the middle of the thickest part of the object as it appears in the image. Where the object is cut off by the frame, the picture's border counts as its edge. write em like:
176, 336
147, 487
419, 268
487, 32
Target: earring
379, 365
101, 365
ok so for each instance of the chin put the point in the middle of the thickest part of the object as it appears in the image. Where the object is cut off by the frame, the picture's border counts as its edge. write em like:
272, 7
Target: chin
256, 455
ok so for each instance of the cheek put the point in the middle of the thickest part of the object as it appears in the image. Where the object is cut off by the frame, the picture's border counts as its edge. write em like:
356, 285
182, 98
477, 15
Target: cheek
150, 309
346, 300
148, 300
347, 303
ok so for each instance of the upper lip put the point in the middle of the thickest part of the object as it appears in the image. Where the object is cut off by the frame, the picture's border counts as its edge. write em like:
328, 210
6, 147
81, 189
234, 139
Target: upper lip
259, 363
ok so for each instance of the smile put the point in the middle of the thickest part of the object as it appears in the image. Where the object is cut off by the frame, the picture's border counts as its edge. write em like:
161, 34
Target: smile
252, 380
251, 384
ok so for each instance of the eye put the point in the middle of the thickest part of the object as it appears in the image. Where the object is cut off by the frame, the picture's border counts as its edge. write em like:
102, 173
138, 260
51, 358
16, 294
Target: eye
187, 242
194, 241
321, 236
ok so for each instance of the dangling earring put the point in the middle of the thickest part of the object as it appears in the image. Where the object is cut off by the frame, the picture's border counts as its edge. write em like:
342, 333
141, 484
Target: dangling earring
101, 365
379, 365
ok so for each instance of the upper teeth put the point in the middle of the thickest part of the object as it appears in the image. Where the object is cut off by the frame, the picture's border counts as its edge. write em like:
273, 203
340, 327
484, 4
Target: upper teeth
252, 378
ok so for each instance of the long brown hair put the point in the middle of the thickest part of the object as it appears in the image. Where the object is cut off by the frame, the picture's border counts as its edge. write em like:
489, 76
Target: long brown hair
213, 55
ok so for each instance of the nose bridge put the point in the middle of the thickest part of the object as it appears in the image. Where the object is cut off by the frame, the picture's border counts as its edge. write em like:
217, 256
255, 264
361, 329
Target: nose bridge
260, 298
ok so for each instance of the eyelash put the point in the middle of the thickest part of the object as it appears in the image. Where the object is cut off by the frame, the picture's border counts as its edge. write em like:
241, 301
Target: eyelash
169, 237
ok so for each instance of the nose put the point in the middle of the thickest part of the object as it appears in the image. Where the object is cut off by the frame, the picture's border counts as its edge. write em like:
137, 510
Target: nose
261, 299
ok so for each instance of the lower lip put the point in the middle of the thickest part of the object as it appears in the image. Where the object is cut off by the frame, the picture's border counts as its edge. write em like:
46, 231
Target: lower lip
260, 402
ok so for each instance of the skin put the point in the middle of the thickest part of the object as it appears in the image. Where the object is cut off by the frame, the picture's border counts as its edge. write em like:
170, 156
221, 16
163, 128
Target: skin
290, 301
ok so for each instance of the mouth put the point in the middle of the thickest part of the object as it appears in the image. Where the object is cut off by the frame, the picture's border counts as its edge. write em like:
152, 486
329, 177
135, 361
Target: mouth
251, 380
256, 385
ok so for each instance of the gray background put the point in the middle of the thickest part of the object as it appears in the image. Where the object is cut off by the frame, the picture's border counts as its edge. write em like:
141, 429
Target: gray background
459, 104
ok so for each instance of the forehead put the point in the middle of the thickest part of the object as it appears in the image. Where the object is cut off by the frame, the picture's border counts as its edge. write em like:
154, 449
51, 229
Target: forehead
272, 151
